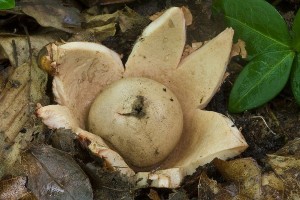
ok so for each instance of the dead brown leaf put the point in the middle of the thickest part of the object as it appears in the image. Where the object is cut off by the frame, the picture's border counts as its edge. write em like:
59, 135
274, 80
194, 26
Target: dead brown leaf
239, 48
153, 195
130, 20
13, 188
53, 14
245, 173
54, 174
286, 165
187, 15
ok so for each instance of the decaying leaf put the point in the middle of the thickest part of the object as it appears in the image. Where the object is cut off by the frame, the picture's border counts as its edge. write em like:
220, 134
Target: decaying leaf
244, 173
16, 49
291, 149
18, 124
187, 15
153, 195
100, 20
13, 188
239, 48
178, 195
63, 139
210, 189
245, 179
58, 16
53, 174
286, 165
25, 87
272, 185
107, 184
95, 34
130, 20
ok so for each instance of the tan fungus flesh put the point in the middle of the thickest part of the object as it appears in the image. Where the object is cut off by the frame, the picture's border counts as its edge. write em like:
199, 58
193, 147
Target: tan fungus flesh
84, 69
159, 47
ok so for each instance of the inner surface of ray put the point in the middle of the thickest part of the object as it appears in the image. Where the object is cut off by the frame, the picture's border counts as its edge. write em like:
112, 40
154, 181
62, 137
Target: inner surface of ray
159, 47
82, 74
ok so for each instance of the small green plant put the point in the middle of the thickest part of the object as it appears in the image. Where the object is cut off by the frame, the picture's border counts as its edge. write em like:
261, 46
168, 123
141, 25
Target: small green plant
7, 4
273, 52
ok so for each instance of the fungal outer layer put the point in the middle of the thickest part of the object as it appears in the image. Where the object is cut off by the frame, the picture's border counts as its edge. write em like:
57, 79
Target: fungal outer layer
84, 70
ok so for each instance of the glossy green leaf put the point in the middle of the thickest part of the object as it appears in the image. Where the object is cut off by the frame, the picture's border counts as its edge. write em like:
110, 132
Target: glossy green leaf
261, 80
257, 23
295, 78
7, 4
296, 32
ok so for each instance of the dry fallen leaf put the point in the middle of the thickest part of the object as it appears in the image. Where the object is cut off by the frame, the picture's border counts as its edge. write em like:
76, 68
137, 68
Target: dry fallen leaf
21, 53
243, 172
13, 188
153, 195
108, 185
239, 48
187, 15
131, 20
18, 124
95, 34
210, 189
100, 20
273, 187
53, 14
286, 165
54, 174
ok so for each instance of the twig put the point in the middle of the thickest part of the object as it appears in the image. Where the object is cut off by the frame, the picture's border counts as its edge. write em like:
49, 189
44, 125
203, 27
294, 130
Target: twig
260, 117
115, 189
15, 53
29, 43
30, 69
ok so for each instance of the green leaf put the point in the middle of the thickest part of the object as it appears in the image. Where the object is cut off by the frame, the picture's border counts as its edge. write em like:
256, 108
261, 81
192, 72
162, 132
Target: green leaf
295, 78
257, 23
261, 80
7, 4
296, 32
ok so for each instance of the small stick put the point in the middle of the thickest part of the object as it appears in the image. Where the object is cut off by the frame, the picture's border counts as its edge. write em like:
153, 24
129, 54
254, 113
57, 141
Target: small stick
15, 53
260, 117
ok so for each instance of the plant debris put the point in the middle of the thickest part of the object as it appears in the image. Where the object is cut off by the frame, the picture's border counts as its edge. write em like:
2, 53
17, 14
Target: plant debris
53, 174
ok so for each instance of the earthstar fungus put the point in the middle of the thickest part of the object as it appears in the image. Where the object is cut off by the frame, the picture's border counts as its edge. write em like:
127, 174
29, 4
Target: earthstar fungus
86, 74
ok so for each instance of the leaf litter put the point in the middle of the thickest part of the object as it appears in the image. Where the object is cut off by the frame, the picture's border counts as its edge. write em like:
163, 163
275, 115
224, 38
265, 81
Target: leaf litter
274, 177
